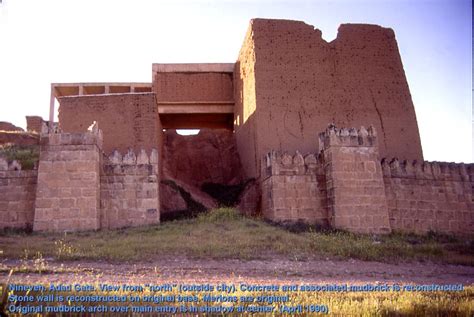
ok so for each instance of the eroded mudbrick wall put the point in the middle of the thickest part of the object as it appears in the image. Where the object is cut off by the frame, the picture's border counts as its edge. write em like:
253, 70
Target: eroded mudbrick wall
209, 157
34, 123
17, 195
129, 190
429, 196
127, 120
67, 195
245, 106
301, 83
294, 189
193, 86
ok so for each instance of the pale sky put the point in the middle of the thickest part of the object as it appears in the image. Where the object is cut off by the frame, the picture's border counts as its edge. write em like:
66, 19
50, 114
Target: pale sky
117, 41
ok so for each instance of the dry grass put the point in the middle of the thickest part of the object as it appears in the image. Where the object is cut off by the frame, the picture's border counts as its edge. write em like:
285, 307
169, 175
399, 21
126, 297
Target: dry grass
224, 234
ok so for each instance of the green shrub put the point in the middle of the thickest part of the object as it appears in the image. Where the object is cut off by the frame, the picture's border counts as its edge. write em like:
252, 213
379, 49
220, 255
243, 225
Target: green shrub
26, 155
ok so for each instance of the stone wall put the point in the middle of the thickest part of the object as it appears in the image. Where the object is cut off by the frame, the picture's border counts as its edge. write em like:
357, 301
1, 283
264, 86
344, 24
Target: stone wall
294, 189
429, 196
129, 190
17, 196
354, 180
292, 83
68, 195
126, 120
348, 187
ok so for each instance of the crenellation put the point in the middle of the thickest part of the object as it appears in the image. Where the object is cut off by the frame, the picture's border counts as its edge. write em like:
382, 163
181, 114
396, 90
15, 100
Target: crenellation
341, 182
427, 170
276, 163
352, 137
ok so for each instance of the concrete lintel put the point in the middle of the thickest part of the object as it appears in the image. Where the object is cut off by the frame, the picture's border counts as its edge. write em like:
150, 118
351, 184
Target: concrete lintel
194, 68
74, 89
190, 109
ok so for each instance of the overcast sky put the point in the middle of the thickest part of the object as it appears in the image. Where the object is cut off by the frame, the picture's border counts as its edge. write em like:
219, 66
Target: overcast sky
100, 41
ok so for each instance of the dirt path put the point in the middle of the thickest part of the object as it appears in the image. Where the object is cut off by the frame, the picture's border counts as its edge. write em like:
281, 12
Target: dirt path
214, 271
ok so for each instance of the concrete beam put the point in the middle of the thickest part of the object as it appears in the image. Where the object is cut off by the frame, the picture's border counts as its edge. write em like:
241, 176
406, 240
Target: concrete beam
194, 68
190, 107
195, 109
75, 89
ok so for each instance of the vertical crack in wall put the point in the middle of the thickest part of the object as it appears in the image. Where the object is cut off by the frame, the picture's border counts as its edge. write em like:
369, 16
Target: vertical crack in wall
380, 117
301, 124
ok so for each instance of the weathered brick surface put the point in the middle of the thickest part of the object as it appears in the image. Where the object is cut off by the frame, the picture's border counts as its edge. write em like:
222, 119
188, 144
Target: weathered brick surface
129, 189
34, 123
430, 196
193, 86
126, 120
290, 83
17, 196
354, 180
245, 122
293, 189
67, 195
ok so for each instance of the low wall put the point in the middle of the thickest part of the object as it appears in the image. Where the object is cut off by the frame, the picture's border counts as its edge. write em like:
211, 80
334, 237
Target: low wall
348, 187
129, 190
429, 196
17, 196
293, 189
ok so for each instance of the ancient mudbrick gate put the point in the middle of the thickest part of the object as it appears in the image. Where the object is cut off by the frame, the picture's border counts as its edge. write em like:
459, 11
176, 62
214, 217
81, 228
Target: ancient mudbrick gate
342, 109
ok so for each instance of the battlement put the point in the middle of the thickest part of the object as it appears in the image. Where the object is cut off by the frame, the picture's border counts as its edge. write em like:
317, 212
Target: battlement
276, 163
350, 137
57, 138
131, 162
131, 158
427, 170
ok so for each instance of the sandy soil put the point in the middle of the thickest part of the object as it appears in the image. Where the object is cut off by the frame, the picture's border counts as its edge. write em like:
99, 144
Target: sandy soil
181, 270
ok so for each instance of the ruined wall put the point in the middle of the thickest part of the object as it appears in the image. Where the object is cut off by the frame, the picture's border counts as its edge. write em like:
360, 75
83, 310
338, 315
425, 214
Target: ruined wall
302, 83
67, 194
245, 106
34, 123
294, 189
126, 120
208, 157
7, 126
19, 138
424, 196
354, 180
17, 195
193, 86
129, 190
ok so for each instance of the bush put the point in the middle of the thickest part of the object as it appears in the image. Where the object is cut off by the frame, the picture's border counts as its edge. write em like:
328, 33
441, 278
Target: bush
26, 155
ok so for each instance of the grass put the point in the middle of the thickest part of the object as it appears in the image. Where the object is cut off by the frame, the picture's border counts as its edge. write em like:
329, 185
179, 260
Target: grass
26, 155
223, 234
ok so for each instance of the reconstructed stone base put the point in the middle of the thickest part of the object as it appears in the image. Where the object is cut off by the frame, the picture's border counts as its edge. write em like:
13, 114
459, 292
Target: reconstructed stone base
348, 187
67, 195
